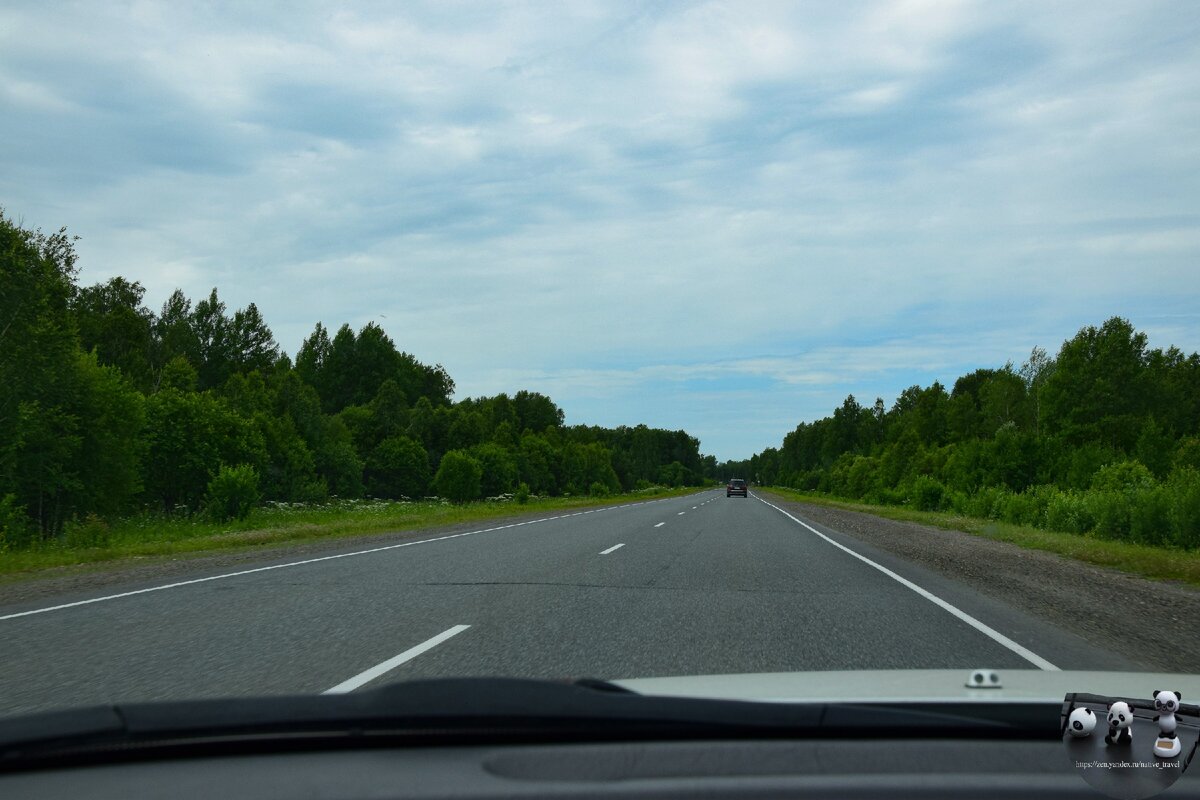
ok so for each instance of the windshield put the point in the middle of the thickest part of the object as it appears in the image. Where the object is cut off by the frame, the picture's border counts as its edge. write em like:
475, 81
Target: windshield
348, 344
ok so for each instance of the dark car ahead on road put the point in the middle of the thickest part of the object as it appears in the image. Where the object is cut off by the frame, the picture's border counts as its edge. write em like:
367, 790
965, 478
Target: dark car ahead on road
736, 486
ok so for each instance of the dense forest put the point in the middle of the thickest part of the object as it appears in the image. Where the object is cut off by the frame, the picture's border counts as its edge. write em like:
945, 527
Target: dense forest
1103, 439
107, 408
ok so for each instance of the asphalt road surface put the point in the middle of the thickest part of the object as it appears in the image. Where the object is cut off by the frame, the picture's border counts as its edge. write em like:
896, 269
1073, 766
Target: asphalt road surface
701, 584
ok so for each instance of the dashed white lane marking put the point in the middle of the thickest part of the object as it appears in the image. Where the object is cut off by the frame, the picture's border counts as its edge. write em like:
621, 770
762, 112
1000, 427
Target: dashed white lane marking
614, 547
395, 661
681, 513
659, 525
991, 633
222, 576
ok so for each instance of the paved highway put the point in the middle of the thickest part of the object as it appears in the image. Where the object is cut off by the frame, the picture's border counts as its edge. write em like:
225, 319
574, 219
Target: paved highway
694, 585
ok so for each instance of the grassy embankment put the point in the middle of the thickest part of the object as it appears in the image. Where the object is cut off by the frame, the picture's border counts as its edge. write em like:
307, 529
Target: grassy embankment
153, 536
1160, 563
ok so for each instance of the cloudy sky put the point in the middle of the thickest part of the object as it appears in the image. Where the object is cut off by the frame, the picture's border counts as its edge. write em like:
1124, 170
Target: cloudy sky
722, 217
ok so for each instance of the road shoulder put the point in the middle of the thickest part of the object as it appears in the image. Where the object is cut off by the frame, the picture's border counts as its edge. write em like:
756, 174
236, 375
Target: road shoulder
1127, 613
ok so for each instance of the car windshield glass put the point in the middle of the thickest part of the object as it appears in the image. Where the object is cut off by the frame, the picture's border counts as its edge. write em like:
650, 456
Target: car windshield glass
347, 344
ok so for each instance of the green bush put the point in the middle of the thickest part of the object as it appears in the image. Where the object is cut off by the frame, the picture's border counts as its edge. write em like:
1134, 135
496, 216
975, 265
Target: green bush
232, 493
598, 489
1184, 488
642, 484
15, 531
1080, 464
1111, 513
459, 477
522, 493
1187, 453
1028, 507
1150, 516
808, 481
926, 493
1123, 476
92, 531
1067, 512
860, 478
1014, 508
956, 501
398, 467
987, 503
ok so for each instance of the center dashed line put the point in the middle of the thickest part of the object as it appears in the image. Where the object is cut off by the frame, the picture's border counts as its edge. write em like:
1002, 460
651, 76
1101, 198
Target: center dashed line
317, 560
389, 665
614, 547
659, 525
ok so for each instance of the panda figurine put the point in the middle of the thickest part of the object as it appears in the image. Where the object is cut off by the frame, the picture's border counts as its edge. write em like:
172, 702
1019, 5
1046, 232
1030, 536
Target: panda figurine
1120, 718
1081, 723
1167, 744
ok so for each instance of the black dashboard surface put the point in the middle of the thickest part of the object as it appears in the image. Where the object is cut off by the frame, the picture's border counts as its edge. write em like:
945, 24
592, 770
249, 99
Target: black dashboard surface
752, 769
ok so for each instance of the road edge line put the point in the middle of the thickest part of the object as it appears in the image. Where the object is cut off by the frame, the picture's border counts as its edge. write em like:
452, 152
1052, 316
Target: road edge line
986, 630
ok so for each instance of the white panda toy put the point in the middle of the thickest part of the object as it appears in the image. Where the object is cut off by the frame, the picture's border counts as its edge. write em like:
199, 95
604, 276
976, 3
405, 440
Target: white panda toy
1167, 744
1081, 723
1120, 718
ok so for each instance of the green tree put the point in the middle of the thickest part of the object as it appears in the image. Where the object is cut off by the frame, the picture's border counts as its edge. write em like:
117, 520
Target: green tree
178, 373
289, 472
499, 469
1035, 372
311, 360
585, 464
536, 464
536, 412
1097, 392
250, 345
337, 461
398, 467
187, 438
212, 329
174, 335
1155, 448
1002, 401
39, 429
113, 322
459, 477
466, 431
108, 462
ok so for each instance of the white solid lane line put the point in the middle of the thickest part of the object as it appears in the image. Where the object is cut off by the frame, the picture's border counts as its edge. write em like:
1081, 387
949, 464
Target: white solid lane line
178, 584
614, 547
659, 525
991, 633
389, 665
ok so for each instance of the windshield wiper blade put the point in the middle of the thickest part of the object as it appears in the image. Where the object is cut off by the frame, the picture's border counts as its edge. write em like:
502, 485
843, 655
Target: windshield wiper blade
482, 709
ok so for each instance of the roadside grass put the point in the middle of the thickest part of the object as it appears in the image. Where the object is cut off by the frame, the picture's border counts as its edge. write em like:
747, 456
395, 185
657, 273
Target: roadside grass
1160, 563
150, 536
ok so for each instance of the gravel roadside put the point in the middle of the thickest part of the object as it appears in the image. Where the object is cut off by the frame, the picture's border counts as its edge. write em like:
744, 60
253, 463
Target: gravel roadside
1157, 620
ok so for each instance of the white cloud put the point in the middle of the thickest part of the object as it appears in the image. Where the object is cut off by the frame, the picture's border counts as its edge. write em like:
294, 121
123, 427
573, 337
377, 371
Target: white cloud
604, 198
